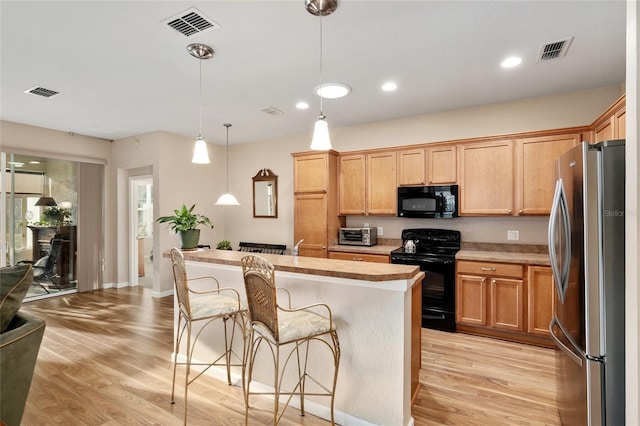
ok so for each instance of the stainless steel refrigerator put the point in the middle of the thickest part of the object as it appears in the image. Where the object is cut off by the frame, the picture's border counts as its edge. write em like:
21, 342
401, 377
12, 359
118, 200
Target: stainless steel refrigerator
586, 250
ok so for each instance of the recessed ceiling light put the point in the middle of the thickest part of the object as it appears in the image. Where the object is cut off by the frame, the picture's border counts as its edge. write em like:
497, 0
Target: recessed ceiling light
511, 61
302, 105
389, 86
333, 90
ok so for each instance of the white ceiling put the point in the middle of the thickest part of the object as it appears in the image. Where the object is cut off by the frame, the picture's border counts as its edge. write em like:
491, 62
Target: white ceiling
121, 72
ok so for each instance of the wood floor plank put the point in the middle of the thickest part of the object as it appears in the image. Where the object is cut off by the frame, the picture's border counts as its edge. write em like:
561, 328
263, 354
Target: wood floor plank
105, 361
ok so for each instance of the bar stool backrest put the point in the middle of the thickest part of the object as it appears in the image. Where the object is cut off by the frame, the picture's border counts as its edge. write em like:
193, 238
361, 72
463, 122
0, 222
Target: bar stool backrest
180, 280
259, 282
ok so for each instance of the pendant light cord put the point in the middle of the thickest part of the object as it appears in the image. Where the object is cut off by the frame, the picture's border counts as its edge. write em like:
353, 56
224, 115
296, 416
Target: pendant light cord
321, 63
227, 125
200, 97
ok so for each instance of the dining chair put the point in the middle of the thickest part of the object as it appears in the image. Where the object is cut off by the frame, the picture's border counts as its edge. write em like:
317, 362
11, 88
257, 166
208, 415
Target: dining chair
276, 326
205, 307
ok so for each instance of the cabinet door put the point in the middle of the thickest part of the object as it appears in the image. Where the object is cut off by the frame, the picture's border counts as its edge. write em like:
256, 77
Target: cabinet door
620, 124
471, 302
486, 178
442, 164
507, 304
310, 173
352, 187
541, 299
535, 159
604, 131
382, 189
310, 224
411, 169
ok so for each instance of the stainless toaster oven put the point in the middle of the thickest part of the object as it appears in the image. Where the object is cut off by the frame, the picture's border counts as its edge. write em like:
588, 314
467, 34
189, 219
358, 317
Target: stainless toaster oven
358, 236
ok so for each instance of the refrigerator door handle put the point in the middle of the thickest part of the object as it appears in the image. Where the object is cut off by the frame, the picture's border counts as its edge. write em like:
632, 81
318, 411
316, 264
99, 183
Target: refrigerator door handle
559, 210
570, 353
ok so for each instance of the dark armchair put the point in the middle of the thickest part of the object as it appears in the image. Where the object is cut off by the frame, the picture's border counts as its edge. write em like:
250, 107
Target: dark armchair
20, 338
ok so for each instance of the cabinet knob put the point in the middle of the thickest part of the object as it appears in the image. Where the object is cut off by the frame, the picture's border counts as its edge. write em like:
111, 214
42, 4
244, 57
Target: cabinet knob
509, 211
521, 211
493, 281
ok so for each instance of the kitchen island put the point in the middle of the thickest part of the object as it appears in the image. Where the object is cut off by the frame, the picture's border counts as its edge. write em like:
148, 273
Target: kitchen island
372, 306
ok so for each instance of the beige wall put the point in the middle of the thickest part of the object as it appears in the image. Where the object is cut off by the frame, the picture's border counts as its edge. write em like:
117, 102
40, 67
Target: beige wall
558, 111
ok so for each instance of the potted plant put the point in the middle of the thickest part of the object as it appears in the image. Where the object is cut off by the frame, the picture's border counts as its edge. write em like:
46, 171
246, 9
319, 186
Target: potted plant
224, 245
185, 222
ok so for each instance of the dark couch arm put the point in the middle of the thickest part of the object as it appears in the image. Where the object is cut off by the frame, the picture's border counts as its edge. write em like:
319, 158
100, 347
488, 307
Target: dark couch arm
19, 346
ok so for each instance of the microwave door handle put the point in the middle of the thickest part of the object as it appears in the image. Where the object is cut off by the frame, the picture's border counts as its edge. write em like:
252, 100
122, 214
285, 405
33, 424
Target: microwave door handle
440, 204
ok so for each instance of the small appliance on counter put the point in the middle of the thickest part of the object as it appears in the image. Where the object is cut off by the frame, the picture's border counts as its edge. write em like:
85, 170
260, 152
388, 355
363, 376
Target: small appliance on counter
358, 236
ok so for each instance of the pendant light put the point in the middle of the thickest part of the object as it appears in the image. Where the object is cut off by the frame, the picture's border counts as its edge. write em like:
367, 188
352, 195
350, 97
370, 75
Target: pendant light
200, 153
46, 201
227, 199
321, 140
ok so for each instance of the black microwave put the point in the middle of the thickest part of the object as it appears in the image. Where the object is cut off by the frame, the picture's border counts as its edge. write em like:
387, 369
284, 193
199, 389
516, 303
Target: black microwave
428, 201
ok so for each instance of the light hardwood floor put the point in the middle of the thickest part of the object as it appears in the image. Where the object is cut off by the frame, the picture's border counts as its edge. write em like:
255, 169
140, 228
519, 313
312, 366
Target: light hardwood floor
105, 360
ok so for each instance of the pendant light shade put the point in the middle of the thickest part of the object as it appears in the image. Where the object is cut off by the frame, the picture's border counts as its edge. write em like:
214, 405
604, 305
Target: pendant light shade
227, 199
200, 152
46, 201
321, 141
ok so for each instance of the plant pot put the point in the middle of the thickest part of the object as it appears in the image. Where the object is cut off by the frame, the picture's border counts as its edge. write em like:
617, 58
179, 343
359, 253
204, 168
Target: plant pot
189, 239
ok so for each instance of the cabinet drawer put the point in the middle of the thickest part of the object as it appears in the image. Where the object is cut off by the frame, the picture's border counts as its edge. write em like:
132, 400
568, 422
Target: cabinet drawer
360, 257
491, 268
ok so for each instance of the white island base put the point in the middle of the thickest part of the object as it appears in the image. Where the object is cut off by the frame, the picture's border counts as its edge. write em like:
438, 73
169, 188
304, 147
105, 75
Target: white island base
374, 324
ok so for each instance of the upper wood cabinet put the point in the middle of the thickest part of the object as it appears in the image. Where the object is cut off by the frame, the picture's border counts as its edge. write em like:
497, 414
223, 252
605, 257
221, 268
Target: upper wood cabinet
486, 175
316, 218
612, 123
535, 177
411, 167
442, 164
367, 183
352, 184
311, 171
428, 166
382, 187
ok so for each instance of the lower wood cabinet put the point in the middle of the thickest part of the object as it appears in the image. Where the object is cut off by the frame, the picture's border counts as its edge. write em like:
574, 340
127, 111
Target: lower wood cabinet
505, 300
359, 257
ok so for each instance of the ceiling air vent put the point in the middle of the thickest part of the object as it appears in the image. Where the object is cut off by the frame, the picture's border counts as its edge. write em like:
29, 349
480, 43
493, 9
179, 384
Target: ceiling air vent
272, 110
41, 91
190, 22
554, 50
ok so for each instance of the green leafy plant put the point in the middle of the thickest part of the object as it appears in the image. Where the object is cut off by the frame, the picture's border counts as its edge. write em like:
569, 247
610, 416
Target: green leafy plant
184, 219
224, 245
54, 215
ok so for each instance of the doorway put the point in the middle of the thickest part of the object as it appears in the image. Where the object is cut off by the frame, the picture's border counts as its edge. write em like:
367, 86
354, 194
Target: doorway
39, 204
141, 231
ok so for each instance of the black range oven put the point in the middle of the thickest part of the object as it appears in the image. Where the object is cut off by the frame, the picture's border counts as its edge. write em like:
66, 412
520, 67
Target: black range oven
434, 253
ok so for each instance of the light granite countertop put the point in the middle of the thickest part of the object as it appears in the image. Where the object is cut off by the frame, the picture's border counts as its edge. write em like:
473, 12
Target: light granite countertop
505, 253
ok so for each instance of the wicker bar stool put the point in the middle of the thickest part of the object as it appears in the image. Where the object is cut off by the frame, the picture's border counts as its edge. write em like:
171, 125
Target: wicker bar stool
210, 306
277, 326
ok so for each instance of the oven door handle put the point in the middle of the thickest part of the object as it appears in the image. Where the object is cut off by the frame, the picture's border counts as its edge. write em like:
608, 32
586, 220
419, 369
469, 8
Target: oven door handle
434, 317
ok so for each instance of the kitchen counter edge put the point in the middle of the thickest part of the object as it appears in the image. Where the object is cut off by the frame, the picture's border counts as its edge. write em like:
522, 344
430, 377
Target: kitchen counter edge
376, 272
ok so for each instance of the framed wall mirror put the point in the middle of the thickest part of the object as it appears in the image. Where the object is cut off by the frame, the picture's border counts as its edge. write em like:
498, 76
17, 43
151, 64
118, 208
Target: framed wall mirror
265, 194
